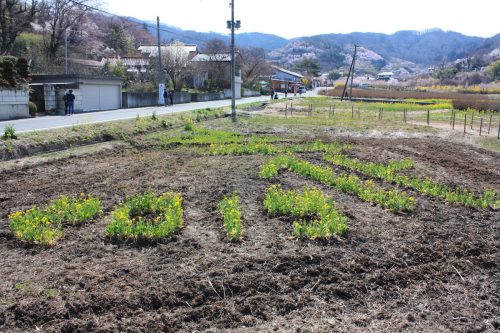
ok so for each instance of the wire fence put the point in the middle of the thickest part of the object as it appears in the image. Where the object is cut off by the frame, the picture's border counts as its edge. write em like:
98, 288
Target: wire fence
469, 122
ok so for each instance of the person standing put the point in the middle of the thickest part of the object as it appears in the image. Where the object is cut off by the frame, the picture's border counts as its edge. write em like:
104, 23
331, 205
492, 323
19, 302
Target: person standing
171, 97
70, 100
286, 92
272, 93
165, 97
65, 100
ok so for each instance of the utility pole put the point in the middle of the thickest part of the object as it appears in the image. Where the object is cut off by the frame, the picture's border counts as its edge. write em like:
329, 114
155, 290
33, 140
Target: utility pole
233, 67
66, 51
160, 68
351, 75
233, 25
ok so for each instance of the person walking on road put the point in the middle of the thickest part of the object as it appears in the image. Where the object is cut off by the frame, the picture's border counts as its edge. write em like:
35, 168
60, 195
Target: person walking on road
70, 101
272, 93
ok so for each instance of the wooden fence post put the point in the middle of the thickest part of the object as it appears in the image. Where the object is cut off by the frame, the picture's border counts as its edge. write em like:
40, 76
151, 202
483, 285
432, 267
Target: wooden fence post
489, 125
352, 111
465, 124
481, 126
428, 117
472, 121
291, 109
453, 124
286, 110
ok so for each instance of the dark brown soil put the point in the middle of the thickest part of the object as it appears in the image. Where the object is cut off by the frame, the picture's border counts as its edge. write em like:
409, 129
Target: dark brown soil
435, 270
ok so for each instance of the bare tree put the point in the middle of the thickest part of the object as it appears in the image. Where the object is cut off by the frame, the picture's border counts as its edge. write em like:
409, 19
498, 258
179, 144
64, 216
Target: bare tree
61, 16
215, 62
15, 17
175, 59
254, 66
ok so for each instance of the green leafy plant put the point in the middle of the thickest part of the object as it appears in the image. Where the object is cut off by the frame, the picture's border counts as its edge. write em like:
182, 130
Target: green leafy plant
367, 191
189, 126
32, 108
44, 225
9, 132
146, 217
231, 213
254, 146
390, 172
318, 217
154, 117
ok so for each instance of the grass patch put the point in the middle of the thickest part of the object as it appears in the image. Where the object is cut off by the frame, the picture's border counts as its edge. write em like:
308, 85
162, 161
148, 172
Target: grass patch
146, 217
368, 191
44, 225
318, 217
231, 213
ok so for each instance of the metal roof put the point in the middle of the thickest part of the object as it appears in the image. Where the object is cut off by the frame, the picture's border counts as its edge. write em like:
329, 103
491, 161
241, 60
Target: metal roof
287, 72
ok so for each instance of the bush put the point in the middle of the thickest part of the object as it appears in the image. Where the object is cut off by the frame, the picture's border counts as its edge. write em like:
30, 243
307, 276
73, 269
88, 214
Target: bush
14, 72
482, 104
9, 133
32, 107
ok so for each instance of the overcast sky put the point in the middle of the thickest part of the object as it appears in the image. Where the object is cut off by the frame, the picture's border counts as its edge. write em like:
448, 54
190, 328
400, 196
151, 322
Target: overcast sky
297, 18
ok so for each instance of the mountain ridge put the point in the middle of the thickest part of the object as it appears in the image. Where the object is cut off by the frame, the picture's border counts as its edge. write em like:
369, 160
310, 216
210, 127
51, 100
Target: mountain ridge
425, 48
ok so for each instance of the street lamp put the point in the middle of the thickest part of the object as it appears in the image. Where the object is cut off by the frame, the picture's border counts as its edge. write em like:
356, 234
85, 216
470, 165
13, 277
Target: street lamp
233, 25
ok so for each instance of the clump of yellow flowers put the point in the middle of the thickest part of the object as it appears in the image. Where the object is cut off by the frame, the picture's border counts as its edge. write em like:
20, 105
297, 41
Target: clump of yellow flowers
44, 225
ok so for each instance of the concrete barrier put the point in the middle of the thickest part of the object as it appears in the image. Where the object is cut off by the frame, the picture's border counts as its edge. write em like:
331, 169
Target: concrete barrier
138, 100
204, 97
14, 104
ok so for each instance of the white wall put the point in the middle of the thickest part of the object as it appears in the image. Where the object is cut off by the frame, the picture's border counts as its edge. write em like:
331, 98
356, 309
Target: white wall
14, 104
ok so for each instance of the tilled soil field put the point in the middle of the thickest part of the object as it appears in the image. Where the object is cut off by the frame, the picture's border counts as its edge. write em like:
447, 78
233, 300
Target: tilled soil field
434, 270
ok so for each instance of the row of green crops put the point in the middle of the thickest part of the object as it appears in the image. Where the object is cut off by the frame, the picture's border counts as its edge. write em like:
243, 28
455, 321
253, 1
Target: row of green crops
252, 148
146, 217
326, 103
231, 214
44, 226
313, 205
200, 136
367, 191
390, 173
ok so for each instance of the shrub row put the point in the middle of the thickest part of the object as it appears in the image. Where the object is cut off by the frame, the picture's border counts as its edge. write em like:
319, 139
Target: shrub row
460, 101
480, 104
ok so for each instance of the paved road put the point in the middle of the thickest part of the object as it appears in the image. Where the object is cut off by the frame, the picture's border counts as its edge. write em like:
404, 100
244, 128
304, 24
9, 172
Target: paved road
51, 122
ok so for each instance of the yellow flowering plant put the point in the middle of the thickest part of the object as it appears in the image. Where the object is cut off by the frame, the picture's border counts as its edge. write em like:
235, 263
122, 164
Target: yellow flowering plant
44, 225
231, 213
317, 215
146, 217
